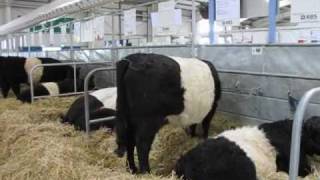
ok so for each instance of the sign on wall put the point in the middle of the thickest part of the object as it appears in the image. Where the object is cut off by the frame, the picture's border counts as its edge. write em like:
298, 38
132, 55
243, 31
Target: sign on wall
256, 8
77, 31
168, 5
87, 31
98, 28
130, 22
305, 11
228, 12
160, 23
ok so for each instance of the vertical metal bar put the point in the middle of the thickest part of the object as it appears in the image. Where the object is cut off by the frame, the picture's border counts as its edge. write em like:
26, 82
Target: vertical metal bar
149, 24
212, 18
8, 46
119, 19
29, 44
194, 29
296, 133
113, 31
86, 104
273, 8
86, 96
71, 41
31, 84
75, 77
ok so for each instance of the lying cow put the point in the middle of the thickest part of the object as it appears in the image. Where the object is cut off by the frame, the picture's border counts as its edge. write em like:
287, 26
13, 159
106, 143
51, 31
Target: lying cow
51, 89
153, 88
247, 152
14, 71
102, 104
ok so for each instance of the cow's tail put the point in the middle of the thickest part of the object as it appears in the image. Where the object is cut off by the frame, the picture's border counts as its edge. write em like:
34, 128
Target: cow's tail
122, 113
217, 95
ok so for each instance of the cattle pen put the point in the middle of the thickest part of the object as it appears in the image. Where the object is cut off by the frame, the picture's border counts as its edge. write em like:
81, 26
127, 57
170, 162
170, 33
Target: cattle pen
268, 67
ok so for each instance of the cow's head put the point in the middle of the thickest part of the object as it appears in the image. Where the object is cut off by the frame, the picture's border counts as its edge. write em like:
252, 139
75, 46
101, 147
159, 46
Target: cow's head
311, 135
204, 10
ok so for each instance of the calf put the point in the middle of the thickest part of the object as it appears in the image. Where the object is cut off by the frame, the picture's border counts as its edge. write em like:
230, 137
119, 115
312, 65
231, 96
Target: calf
14, 71
250, 152
154, 88
102, 103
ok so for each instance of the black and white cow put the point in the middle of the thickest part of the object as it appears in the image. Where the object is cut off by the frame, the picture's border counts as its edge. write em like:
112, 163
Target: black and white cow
250, 152
155, 88
102, 103
51, 89
14, 71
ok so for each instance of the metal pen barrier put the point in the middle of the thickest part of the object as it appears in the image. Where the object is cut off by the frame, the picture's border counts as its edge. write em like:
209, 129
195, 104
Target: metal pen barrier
296, 132
86, 99
73, 64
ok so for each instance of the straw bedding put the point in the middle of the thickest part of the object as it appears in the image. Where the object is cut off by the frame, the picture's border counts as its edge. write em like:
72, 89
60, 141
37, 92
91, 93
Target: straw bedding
34, 145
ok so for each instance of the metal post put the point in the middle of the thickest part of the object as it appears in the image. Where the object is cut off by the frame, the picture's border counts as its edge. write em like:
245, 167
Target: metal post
86, 96
273, 8
75, 78
71, 41
8, 11
212, 18
194, 29
31, 84
119, 19
29, 45
296, 133
8, 46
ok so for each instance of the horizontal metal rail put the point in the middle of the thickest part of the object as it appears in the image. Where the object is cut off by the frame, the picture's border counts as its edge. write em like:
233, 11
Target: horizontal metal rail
268, 74
95, 121
86, 99
73, 64
296, 132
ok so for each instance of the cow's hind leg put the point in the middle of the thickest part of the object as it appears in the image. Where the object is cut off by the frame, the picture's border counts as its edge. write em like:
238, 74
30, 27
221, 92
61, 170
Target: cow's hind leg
207, 120
145, 134
130, 155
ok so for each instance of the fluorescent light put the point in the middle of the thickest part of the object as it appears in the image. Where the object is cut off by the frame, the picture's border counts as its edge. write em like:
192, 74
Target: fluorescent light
51, 48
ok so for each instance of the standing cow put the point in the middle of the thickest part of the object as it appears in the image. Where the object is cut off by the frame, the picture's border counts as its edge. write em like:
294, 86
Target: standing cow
154, 88
14, 71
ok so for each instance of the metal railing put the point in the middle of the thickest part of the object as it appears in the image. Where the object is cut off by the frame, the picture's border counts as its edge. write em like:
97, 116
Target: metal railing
296, 132
86, 99
73, 64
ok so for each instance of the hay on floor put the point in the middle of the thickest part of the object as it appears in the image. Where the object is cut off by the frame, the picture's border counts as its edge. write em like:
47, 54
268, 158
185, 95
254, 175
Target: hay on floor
34, 145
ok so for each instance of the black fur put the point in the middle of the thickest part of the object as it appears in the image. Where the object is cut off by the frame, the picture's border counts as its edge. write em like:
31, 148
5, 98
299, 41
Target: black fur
218, 159
76, 115
222, 159
204, 10
149, 89
12, 73
279, 134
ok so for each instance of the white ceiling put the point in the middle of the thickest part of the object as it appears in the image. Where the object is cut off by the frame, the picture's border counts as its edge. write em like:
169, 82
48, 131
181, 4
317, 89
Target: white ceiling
28, 4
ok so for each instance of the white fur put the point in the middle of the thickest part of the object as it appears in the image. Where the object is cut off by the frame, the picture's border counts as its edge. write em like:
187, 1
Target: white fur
199, 96
256, 146
37, 73
107, 97
52, 87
